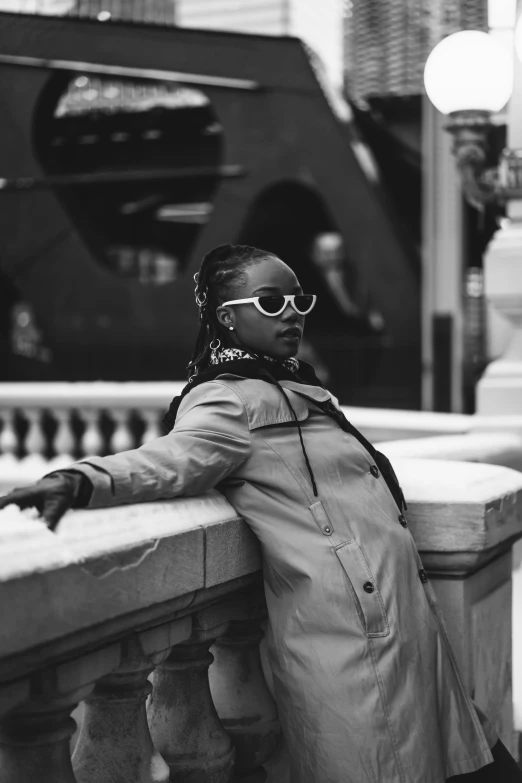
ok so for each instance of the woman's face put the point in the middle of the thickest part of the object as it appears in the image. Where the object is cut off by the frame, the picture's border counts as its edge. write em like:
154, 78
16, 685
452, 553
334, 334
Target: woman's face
276, 336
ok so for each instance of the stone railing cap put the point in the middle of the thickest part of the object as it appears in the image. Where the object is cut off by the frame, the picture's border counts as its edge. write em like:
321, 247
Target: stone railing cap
92, 394
107, 563
497, 448
460, 506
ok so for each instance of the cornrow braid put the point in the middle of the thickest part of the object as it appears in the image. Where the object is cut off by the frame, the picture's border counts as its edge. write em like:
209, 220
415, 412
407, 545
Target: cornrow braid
221, 269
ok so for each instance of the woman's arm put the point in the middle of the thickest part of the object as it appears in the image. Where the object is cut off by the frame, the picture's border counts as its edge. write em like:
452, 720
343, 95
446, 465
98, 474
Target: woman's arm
209, 441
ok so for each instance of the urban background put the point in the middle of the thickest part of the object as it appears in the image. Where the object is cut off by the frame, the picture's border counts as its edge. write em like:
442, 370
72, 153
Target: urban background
328, 153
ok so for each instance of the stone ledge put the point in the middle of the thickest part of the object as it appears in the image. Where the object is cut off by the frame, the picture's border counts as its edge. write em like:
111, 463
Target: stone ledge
79, 662
124, 395
390, 424
461, 507
19, 665
108, 572
103, 564
494, 448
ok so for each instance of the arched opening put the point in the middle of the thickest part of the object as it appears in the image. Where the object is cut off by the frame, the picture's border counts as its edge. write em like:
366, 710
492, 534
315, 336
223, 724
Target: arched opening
293, 221
345, 330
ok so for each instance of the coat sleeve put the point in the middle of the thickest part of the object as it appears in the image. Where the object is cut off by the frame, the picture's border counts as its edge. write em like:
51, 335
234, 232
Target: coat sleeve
210, 440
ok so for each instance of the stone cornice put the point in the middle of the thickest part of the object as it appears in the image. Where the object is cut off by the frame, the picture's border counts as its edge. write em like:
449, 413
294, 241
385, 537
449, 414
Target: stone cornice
114, 569
107, 572
461, 514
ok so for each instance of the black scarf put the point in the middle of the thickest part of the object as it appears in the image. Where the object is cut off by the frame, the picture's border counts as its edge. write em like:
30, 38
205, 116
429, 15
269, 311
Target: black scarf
273, 372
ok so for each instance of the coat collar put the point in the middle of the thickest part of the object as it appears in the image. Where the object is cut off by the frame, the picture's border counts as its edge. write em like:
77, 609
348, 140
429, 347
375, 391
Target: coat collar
245, 369
266, 406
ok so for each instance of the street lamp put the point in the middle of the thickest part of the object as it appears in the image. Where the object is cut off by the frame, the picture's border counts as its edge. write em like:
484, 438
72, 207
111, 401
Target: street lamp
468, 77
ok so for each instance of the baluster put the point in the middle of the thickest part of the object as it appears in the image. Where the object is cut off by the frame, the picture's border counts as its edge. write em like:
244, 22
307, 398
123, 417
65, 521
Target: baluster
64, 438
92, 441
115, 745
8, 437
121, 439
35, 438
183, 721
152, 428
243, 702
34, 738
34, 742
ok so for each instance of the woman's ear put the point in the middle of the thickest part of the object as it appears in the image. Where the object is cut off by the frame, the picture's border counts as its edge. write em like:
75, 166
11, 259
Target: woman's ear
225, 317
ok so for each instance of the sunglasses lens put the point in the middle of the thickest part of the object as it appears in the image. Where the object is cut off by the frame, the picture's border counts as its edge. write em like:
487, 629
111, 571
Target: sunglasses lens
303, 302
271, 304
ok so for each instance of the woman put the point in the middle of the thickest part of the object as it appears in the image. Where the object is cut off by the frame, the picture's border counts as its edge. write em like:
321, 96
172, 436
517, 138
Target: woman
367, 686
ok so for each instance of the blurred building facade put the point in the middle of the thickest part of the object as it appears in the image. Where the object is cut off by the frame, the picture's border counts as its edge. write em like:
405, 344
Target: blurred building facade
377, 51
386, 48
319, 25
387, 44
144, 173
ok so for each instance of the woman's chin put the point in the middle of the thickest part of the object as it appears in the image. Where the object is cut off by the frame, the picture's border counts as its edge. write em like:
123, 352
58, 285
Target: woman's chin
283, 353
284, 349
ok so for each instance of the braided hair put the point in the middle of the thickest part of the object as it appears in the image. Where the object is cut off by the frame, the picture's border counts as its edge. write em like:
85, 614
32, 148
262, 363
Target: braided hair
221, 269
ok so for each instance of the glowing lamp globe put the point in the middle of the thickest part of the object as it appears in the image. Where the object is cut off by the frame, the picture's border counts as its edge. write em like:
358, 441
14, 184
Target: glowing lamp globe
468, 71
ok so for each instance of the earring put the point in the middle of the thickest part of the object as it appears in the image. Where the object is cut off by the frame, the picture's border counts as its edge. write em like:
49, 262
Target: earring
231, 328
213, 351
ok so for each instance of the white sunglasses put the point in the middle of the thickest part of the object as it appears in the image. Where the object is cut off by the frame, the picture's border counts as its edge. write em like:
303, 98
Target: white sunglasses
274, 305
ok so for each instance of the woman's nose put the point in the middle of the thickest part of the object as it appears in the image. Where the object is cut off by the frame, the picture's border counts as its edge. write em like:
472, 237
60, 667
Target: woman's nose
289, 314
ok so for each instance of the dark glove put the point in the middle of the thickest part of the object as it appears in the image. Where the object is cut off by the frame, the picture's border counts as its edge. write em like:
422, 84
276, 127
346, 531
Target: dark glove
52, 495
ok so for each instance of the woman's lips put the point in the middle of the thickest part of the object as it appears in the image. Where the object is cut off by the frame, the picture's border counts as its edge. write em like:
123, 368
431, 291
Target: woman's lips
291, 334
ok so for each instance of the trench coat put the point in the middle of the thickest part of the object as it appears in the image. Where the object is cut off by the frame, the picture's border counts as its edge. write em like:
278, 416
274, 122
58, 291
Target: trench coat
366, 682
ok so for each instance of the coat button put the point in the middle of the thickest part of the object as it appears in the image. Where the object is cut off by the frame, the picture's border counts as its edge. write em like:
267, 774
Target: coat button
423, 575
374, 470
368, 587
327, 531
402, 520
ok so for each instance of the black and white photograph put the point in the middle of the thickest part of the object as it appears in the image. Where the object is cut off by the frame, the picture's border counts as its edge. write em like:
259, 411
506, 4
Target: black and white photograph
260, 391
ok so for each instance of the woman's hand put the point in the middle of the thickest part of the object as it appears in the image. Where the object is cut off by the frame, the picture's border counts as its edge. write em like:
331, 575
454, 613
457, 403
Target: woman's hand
53, 495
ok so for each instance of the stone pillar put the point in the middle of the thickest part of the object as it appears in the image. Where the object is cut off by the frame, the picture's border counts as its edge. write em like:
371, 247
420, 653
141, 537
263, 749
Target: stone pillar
499, 392
115, 745
183, 721
476, 605
464, 518
442, 273
34, 736
243, 702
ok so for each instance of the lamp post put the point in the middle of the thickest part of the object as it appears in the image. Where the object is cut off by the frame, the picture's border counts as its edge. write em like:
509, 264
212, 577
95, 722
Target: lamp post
469, 77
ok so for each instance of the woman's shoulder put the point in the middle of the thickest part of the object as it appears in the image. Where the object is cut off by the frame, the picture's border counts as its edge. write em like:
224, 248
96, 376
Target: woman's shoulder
268, 404
210, 394
261, 402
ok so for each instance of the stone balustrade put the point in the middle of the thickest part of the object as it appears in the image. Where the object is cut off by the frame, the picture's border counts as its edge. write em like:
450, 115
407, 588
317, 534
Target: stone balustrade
60, 406
44, 425
465, 519
124, 610
485, 446
112, 597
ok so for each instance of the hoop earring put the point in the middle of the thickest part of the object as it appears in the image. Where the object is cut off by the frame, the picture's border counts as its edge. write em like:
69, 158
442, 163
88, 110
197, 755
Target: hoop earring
201, 298
214, 350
